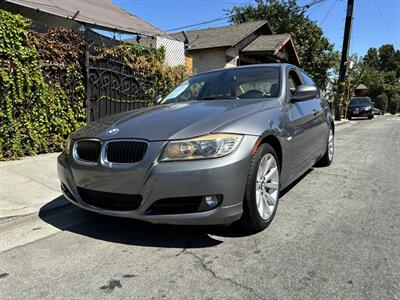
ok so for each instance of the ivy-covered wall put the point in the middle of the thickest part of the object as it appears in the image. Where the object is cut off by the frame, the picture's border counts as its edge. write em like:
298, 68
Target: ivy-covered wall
35, 116
42, 92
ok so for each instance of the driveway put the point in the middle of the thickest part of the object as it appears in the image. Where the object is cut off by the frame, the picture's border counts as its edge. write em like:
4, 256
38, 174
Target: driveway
336, 235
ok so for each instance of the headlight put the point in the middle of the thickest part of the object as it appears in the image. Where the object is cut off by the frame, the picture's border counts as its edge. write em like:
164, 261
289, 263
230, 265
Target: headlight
67, 146
203, 147
367, 107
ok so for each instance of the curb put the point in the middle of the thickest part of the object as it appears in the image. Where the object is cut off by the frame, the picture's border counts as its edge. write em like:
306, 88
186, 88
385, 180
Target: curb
341, 122
18, 219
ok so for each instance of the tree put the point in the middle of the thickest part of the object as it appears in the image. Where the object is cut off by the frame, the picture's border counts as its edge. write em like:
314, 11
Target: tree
374, 80
371, 58
379, 70
389, 59
317, 54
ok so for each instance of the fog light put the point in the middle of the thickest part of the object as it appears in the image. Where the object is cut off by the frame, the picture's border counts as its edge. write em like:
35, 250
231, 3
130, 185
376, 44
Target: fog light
210, 202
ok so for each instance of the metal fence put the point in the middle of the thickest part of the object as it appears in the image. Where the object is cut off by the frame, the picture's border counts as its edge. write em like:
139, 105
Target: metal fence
112, 88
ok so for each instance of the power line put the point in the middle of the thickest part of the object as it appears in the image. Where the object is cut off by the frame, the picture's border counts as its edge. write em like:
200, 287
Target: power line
223, 17
198, 24
327, 14
384, 22
311, 4
304, 7
314, 9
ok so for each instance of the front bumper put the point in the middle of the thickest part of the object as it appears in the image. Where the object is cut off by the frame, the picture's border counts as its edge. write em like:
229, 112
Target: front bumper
360, 113
224, 176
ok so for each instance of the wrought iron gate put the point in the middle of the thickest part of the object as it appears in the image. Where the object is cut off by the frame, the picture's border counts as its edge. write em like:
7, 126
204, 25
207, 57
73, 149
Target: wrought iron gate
112, 88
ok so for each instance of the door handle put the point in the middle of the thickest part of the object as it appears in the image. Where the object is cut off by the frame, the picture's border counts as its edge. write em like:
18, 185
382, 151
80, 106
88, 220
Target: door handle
315, 112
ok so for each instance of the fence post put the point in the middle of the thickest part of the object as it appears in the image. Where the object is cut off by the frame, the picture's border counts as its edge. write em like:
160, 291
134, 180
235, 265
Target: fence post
87, 62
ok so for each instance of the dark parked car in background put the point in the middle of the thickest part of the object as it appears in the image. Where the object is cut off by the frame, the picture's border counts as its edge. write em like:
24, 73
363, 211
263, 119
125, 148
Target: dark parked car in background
217, 149
360, 107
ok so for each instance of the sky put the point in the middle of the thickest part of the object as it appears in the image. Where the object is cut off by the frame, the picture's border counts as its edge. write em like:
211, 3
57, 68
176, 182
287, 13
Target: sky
376, 22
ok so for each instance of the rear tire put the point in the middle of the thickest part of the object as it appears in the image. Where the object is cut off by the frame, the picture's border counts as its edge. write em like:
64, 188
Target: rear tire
327, 158
262, 192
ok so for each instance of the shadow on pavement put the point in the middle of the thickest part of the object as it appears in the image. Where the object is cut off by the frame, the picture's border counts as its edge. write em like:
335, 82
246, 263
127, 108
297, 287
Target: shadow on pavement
133, 232
138, 233
293, 184
56, 203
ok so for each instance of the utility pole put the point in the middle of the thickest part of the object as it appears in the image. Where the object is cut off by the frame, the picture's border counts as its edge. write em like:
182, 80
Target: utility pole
343, 61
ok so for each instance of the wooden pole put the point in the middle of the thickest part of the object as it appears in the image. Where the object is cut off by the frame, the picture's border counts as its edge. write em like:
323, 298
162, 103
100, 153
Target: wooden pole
343, 62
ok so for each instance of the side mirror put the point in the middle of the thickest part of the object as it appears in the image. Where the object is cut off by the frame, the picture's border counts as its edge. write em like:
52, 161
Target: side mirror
157, 99
304, 92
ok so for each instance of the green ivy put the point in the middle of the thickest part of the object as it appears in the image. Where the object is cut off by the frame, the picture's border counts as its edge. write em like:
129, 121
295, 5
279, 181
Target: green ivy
42, 91
35, 116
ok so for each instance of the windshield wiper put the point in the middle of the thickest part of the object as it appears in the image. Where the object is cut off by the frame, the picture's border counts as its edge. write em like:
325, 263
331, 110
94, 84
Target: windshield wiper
219, 98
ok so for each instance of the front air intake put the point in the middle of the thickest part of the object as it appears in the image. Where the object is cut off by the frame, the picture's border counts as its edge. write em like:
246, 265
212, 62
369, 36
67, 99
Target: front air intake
110, 201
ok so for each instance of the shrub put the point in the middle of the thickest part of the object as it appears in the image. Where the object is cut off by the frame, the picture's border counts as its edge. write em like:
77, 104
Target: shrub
394, 104
382, 102
148, 67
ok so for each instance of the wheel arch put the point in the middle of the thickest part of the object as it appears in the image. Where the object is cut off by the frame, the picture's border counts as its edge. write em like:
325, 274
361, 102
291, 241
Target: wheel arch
274, 142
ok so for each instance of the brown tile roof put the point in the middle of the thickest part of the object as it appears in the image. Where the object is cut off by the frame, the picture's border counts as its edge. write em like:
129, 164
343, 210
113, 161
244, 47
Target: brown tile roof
225, 36
272, 44
267, 43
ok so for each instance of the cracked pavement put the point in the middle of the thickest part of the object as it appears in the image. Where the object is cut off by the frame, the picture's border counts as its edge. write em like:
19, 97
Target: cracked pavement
336, 235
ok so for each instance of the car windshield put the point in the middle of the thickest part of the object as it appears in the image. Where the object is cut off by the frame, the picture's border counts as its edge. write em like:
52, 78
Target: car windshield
245, 83
362, 101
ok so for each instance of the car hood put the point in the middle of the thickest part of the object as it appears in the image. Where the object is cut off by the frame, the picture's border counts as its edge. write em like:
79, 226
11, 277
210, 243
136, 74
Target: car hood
171, 121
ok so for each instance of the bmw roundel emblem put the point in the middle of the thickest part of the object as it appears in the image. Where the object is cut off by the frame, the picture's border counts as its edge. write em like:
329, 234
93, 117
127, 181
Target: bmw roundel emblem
112, 131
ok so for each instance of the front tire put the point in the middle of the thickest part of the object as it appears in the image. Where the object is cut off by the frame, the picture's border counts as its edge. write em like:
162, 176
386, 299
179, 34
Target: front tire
262, 189
327, 158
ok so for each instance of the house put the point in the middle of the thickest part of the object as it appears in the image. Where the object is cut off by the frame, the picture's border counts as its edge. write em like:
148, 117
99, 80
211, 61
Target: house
174, 49
96, 14
234, 45
360, 90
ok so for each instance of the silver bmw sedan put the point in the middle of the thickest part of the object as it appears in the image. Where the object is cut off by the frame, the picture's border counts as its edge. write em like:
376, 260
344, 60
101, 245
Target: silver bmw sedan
218, 149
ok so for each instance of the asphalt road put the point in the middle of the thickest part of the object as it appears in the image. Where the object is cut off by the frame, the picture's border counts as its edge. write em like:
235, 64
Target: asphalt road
336, 235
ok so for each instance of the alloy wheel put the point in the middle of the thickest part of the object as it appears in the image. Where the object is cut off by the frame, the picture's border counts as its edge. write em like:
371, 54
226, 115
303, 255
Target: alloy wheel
331, 145
267, 186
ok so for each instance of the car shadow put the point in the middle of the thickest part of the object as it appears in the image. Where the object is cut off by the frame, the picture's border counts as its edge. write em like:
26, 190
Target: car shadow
137, 233
293, 184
